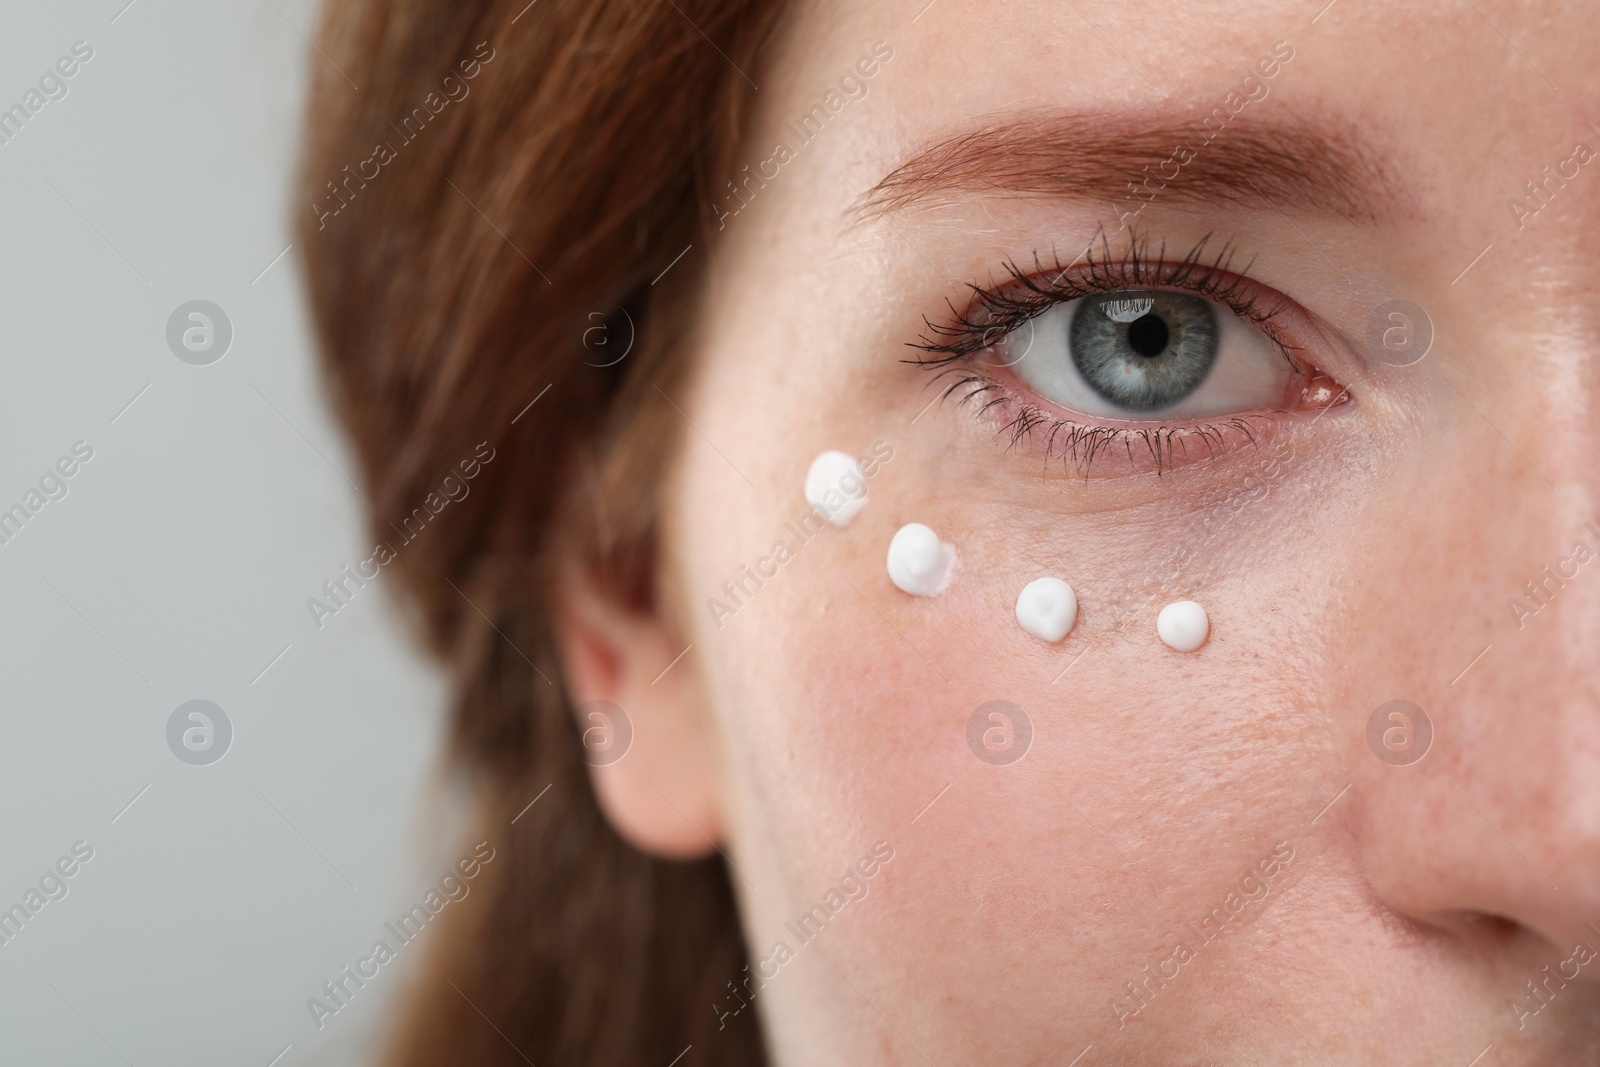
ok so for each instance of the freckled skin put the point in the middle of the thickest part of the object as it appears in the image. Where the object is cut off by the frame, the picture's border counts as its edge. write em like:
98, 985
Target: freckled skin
1356, 555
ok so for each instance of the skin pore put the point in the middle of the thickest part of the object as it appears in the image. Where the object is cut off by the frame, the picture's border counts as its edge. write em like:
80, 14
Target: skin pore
1347, 553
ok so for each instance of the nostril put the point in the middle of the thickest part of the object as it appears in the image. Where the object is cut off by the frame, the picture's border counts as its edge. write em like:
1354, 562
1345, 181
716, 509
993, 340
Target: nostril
1537, 966
1486, 934
1496, 931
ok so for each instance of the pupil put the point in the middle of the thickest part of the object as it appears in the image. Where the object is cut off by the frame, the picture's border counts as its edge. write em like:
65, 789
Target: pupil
1148, 335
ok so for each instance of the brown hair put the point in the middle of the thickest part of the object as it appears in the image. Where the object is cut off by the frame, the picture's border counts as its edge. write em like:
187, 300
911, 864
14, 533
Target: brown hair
507, 175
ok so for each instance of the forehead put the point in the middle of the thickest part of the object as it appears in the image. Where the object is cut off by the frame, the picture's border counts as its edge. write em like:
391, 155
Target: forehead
1418, 86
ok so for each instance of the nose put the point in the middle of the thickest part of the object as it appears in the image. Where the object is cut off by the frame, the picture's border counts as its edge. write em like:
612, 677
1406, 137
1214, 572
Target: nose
1498, 814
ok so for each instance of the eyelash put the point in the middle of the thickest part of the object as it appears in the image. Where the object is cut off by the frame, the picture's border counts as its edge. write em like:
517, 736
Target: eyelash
994, 313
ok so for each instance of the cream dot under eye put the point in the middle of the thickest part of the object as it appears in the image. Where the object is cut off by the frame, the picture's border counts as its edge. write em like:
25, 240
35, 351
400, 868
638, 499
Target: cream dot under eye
920, 563
1047, 608
1183, 626
836, 484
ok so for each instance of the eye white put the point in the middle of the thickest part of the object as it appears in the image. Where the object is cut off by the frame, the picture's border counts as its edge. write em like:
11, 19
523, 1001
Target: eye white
1250, 372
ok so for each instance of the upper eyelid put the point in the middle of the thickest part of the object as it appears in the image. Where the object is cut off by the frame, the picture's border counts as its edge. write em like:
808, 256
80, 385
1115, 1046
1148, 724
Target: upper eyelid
1212, 277
955, 348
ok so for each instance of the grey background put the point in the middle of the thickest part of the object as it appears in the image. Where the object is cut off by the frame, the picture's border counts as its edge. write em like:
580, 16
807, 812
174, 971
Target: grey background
181, 560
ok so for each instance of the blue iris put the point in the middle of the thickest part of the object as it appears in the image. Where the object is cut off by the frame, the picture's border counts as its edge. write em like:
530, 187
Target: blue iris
1143, 351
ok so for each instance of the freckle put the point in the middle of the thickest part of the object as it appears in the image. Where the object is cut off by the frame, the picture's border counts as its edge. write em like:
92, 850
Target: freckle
920, 563
1047, 608
1183, 626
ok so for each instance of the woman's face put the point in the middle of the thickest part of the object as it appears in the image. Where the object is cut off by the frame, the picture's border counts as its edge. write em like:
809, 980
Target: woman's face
1176, 857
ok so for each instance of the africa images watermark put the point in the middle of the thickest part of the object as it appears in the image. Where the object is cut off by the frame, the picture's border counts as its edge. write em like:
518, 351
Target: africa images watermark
853, 86
1543, 589
1253, 887
1251, 88
1549, 984
341, 590
340, 194
846, 489
1539, 193
1130, 596
52, 486
338, 991
852, 886
52, 86
52, 886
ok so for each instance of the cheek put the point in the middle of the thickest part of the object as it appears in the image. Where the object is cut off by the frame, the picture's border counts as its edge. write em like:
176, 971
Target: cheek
1146, 781
852, 711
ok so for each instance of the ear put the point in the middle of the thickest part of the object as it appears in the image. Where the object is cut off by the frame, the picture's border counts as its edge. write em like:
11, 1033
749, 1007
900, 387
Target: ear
661, 793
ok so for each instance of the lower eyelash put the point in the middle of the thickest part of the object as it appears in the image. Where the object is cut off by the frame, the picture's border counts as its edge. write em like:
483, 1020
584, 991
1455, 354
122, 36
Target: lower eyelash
996, 312
1079, 444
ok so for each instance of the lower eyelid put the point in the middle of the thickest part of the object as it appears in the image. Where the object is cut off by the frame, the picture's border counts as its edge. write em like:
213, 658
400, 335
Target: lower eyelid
1088, 446
1100, 444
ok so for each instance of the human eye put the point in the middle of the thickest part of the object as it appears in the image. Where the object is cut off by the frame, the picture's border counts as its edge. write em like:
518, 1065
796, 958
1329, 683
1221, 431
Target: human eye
1168, 361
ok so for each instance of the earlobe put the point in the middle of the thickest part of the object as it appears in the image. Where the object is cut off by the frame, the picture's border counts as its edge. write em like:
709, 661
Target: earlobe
647, 738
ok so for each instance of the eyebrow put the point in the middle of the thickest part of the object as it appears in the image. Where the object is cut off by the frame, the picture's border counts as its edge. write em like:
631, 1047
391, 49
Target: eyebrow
1293, 167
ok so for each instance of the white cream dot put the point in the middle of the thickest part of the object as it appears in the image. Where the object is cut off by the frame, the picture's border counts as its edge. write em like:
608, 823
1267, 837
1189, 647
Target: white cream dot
837, 486
1047, 609
920, 563
1183, 626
